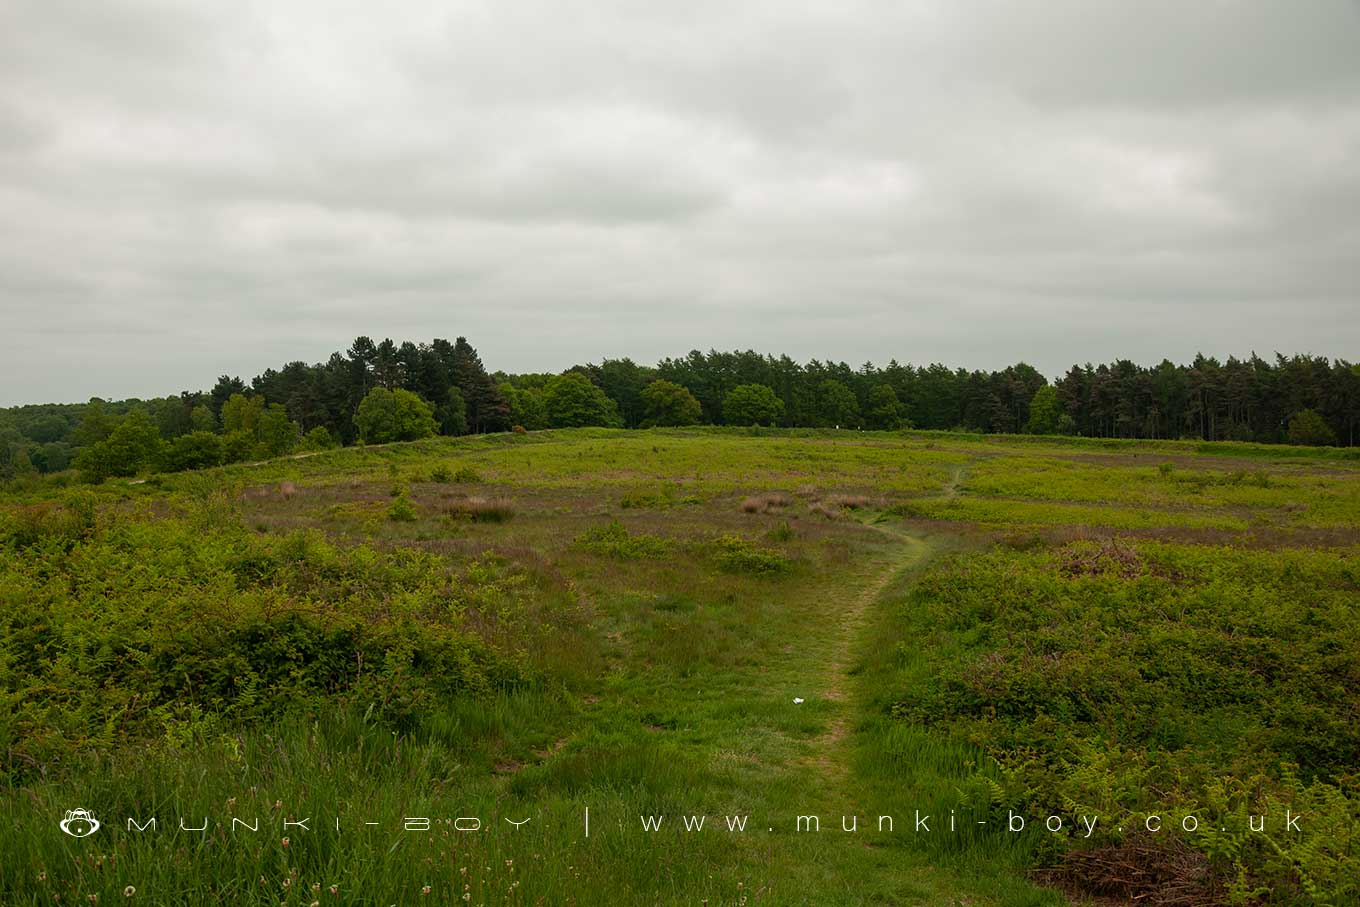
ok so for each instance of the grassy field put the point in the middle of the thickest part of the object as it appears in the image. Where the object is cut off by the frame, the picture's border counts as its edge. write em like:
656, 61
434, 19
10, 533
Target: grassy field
689, 623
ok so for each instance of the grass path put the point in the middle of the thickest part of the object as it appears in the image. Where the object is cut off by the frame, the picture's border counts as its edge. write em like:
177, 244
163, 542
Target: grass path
831, 756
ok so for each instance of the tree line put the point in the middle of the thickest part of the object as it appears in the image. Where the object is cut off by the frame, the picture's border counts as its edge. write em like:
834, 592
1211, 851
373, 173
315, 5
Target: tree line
377, 392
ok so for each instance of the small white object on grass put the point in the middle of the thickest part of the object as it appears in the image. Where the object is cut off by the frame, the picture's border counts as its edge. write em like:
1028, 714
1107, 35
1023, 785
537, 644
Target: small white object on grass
798, 700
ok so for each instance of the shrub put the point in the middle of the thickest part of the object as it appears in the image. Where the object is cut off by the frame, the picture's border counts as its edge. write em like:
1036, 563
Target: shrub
666, 403
614, 540
400, 415
752, 404
441, 473
318, 439
196, 450
35, 524
1309, 428
162, 643
402, 510
658, 497
738, 555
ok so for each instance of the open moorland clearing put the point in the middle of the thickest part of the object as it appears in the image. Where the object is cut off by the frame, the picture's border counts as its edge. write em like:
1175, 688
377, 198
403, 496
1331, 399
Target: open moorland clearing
535, 625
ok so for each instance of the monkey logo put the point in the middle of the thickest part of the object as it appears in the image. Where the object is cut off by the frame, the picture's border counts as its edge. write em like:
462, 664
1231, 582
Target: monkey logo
79, 823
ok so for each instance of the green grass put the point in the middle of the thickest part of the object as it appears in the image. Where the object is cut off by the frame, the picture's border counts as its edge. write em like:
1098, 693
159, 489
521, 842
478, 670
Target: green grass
624, 636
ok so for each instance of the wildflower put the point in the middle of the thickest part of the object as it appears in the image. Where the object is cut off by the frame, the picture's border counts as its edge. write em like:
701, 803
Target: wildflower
798, 700
231, 801
93, 899
335, 889
287, 882
316, 887
285, 842
278, 804
425, 889
129, 891
42, 876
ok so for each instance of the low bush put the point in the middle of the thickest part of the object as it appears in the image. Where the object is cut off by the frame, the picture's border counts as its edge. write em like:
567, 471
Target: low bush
402, 510
1132, 678
738, 555
101, 629
614, 540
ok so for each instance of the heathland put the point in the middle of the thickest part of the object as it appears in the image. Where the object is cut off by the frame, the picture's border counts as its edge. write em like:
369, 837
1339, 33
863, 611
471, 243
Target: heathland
658, 626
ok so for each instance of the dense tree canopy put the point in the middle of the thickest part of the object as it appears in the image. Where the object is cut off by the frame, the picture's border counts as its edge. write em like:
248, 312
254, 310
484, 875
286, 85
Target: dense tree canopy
752, 404
1299, 399
386, 415
571, 401
665, 403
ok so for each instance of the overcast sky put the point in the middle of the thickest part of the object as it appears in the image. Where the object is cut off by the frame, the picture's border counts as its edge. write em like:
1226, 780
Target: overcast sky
191, 189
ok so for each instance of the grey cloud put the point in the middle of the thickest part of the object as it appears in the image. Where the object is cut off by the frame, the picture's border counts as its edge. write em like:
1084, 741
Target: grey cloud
193, 188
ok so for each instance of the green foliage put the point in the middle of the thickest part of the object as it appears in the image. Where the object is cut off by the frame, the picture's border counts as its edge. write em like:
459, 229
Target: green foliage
1309, 428
276, 435
738, 555
571, 401
527, 409
196, 450
752, 404
96, 423
1044, 411
242, 413
201, 418
885, 412
614, 540
656, 497
452, 415
402, 510
237, 446
1128, 679
836, 405
218, 619
319, 438
385, 416
665, 403
133, 445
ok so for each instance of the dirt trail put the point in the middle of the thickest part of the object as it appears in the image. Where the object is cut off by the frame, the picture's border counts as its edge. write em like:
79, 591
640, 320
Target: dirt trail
910, 552
828, 757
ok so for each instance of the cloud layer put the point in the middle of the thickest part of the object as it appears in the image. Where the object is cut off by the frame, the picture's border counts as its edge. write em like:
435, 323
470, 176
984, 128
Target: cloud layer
191, 189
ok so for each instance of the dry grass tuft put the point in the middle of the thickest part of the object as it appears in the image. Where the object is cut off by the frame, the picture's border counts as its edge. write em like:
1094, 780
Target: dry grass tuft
480, 510
850, 501
764, 503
